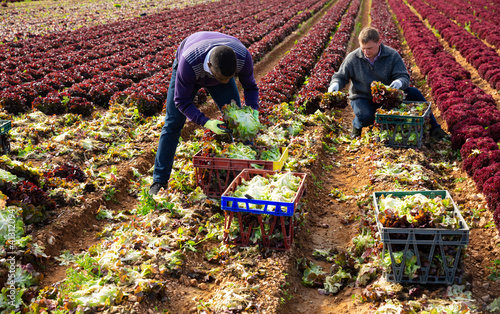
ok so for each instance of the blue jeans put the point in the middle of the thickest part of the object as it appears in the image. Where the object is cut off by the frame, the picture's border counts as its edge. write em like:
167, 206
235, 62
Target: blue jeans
365, 109
222, 94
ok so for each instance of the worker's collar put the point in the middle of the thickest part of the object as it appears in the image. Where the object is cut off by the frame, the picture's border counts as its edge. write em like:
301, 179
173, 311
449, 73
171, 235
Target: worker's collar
205, 63
376, 57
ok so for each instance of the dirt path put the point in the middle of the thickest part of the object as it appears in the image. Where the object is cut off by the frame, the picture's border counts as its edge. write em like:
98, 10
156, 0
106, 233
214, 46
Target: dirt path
325, 228
270, 60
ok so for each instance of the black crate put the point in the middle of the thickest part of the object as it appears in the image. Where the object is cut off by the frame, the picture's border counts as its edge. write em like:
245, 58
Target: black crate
403, 128
5, 126
429, 245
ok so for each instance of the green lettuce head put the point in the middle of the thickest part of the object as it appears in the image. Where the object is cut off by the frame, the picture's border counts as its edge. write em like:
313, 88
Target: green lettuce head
242, 121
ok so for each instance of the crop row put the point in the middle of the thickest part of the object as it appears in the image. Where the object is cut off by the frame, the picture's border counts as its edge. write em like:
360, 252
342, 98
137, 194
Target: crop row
33, 19
470, 113
289, 24
96, 81
149, 94
281, 83
486, 10
485, 59
311, 94
455, 10
475, 12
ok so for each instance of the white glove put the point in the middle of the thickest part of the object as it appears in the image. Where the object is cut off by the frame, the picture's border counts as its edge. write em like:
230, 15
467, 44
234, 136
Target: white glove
396, 84
333, 88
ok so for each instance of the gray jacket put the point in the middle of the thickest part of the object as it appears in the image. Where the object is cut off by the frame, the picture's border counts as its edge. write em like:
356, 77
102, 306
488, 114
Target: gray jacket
388, 67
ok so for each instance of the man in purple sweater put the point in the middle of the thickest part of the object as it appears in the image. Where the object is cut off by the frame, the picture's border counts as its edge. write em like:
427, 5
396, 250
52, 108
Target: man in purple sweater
209, 60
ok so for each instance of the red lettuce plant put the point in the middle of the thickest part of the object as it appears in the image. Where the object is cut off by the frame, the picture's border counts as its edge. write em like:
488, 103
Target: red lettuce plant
496, 217
491, 190
80, 105
13, 103
462, 132
495, 131
51, 104
481, 144
483, 174
69, 172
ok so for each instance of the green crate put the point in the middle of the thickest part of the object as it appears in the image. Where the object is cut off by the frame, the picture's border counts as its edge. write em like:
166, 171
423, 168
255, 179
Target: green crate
5, 126
427, 244
404, 126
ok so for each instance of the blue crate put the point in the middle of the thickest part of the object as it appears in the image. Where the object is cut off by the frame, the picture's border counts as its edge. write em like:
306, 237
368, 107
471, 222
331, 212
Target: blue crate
237, 204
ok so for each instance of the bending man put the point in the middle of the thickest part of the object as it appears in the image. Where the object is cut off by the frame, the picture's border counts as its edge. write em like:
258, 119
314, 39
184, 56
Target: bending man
209, 60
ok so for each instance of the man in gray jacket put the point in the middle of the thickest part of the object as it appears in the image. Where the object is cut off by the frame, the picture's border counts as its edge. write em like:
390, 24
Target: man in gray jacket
373, 61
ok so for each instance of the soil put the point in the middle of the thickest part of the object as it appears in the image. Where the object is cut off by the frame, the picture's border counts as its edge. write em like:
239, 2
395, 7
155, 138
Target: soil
75, 228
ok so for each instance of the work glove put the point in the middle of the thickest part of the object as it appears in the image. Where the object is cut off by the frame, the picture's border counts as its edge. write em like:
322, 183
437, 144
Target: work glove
256, 114
396, 84
217, 126
333, 88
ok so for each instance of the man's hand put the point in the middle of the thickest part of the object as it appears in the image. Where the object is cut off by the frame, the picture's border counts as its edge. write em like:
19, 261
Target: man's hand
214, 126
396, 84
333, 88
256, 114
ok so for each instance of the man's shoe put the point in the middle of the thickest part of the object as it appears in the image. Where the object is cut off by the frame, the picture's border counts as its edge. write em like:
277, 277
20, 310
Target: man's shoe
439, 134
355, 133
155, 187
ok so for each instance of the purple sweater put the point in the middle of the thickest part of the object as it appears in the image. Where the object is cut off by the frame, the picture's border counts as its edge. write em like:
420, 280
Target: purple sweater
190, 57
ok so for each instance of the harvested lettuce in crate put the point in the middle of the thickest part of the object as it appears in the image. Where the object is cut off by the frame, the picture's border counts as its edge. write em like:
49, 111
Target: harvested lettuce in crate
417, 211
406, 109
239, 151
246, 152
273, 154
279, 187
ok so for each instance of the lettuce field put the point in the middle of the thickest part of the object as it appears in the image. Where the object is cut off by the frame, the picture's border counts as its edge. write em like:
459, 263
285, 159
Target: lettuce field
83, 86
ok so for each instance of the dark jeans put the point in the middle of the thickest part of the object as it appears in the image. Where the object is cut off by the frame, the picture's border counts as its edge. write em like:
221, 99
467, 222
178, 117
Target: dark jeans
365, 109
222, 94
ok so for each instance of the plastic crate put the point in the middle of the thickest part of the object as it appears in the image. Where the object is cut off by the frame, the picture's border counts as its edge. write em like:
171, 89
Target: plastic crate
428, 244
275, 208
276, 232
5, 126
213, 174
404, 126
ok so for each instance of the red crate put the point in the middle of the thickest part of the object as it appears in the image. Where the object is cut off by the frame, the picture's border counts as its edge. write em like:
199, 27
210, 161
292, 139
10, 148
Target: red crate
213, 174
